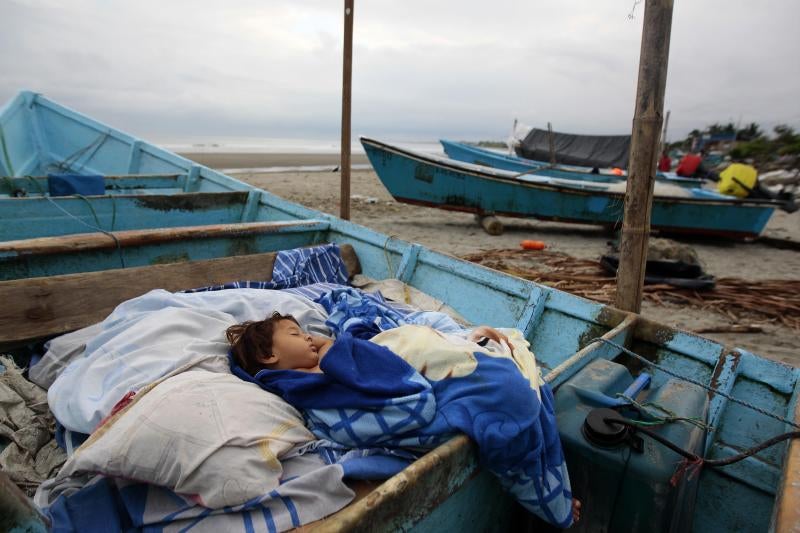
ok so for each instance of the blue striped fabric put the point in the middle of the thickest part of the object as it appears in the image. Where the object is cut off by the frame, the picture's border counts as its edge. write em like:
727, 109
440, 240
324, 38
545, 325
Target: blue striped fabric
295, 268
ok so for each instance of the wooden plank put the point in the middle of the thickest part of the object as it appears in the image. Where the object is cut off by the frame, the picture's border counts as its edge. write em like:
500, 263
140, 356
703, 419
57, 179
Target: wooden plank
94, 241
42, 307
410, 495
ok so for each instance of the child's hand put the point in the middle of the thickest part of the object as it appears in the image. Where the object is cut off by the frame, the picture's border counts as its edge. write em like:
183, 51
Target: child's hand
491, 334
321, 344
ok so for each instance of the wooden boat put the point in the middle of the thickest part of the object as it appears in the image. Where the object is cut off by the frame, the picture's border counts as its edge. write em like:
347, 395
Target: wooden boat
218, 229
488, 158
424, 179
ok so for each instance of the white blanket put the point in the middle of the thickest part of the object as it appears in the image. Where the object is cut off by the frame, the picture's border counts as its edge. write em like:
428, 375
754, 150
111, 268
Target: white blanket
145, 339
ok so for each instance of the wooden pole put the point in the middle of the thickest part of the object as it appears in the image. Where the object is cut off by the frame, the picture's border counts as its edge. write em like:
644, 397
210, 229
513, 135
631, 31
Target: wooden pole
347, 75
551, 142
664, 133
644, 153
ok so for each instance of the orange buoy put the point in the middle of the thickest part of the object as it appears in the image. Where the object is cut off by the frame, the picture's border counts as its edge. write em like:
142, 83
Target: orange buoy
532, 245
617, 171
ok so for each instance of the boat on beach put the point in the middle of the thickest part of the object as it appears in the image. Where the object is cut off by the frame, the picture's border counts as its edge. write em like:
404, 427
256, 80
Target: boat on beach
423, 179
488, 158
67, 262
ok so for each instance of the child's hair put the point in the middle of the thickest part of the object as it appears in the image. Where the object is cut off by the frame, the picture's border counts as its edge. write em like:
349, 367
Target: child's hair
253, 339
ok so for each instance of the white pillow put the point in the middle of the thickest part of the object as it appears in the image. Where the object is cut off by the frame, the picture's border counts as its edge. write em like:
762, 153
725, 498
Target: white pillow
211, 437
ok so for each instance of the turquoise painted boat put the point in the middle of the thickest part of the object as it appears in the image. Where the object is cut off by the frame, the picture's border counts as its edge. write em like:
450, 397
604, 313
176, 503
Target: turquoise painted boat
216, 229
423, 179
488, 158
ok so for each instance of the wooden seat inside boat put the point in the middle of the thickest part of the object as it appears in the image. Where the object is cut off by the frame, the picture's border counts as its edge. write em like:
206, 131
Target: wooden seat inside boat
37, 308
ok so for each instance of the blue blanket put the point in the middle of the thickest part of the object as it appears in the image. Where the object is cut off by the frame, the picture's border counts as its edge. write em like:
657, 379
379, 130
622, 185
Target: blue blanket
368, 396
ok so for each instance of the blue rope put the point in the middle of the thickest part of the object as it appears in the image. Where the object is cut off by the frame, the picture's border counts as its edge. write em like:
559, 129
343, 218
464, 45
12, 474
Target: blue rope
695, 382
66, 163
116, 241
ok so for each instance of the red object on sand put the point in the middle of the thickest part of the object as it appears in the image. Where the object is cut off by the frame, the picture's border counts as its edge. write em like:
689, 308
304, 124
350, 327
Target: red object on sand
532, 245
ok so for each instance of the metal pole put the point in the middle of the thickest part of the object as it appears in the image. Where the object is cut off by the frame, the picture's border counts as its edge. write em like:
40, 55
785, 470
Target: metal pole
347, 75
644, 153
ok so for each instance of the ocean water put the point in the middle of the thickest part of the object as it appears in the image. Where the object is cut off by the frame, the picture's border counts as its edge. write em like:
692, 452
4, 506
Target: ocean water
266, 145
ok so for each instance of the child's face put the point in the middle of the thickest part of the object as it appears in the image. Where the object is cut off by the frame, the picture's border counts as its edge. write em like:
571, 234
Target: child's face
293, 348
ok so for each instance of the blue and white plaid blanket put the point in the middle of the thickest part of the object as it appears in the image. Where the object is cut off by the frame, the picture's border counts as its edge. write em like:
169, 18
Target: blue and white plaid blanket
368, 396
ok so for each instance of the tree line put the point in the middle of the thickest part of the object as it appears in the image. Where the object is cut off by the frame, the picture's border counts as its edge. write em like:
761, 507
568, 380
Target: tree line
751, 141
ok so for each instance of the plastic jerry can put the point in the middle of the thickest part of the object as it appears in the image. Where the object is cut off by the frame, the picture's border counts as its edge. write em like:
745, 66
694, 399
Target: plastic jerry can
625, 479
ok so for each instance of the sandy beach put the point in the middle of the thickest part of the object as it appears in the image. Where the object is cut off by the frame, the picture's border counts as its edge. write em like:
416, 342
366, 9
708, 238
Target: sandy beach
458, 234
259, 160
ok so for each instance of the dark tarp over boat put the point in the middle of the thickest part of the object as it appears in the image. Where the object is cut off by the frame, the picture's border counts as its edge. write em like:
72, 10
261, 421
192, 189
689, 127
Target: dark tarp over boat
582, 150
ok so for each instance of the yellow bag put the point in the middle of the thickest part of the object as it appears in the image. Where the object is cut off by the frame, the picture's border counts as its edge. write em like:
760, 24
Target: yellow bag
744, 175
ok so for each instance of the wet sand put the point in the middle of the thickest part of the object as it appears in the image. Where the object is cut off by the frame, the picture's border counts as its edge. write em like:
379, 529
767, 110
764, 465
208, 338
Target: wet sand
458, 234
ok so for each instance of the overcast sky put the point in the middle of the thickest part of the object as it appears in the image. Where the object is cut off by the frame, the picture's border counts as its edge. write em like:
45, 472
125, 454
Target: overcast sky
422, 69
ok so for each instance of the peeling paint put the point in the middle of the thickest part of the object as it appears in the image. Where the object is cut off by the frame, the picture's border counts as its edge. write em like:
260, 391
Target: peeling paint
191, 201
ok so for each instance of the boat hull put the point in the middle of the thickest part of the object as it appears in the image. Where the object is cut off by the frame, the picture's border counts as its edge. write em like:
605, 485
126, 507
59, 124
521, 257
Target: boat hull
417, 178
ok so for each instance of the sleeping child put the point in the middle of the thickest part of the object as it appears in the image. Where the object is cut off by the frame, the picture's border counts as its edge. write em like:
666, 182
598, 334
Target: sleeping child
279, 343
422, 387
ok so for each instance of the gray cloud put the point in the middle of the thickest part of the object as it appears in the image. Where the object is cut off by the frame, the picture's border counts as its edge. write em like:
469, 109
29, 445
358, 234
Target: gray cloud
421, 69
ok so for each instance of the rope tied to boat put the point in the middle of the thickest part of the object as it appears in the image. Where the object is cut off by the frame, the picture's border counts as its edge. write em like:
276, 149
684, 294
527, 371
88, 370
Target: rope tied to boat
695, 382
95, 145
693, 462
94, 214
389, 267
658, 420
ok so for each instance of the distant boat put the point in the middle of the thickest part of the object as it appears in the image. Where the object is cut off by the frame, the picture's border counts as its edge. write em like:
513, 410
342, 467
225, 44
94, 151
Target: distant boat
424, 179
488, 158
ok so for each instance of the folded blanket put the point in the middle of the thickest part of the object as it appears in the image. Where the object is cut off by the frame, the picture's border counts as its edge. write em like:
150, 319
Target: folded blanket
434, 387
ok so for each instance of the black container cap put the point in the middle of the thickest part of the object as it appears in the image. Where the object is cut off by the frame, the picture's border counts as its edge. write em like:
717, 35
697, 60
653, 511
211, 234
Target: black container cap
601, 433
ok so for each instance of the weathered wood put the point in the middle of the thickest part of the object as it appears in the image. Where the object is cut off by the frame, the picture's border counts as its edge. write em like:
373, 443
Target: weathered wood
786, 511
491, 224
17, 513
42, 307
93, 241
426, 482
731, 328
644, 153
347, 77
